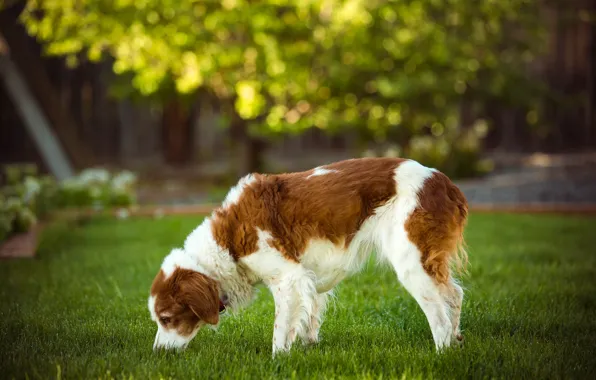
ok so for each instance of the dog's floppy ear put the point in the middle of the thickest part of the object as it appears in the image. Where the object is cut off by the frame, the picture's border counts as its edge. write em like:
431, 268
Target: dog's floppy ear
201, 294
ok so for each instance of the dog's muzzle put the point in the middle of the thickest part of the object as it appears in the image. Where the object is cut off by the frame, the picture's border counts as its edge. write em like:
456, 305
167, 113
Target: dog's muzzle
169, 341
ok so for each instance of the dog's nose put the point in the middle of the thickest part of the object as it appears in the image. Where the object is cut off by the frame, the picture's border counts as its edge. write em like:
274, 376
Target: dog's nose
169, 347
160, 346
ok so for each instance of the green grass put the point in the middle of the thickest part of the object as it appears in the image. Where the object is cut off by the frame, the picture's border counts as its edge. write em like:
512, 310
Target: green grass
79, 311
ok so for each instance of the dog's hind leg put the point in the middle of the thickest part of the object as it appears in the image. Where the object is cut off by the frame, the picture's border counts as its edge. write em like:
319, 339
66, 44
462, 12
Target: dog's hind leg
453, 294
405, 259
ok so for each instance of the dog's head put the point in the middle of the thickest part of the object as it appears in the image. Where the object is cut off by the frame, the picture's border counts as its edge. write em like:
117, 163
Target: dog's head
182, 300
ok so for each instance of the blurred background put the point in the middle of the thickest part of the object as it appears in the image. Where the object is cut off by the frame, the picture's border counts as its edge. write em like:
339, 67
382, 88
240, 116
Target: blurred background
113, 109
189, 95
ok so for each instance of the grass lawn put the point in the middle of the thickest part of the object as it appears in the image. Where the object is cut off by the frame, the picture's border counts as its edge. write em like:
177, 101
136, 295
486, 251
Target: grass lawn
79, 310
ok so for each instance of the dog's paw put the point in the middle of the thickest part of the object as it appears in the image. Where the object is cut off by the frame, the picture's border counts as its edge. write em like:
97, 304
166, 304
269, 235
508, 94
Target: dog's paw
279, 351
458, 340
310, 343
307, 340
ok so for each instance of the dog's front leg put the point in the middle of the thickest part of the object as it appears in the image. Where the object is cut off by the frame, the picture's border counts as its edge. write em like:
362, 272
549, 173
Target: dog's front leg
310, 335
282, 294
294, 299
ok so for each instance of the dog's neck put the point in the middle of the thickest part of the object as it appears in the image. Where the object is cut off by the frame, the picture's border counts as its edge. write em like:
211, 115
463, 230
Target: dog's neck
236, 286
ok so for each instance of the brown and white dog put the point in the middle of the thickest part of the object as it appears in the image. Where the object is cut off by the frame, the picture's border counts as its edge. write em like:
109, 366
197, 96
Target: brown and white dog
302, 233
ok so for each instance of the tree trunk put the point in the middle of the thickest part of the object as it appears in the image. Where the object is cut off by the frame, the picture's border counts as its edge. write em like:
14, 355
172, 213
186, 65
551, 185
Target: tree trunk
467, 116
205, 129
128, 138
248, 151
103, 112
509, 141
177, 137
492, 111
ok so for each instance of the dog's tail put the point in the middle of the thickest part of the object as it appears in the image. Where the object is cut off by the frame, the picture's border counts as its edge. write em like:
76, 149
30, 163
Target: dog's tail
459, 256
440, 220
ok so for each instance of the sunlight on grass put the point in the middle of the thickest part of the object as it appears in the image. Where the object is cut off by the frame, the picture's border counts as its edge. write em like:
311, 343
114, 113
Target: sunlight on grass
79, 311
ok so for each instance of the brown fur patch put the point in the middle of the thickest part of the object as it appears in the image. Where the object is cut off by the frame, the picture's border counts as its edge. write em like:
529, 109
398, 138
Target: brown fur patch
436, 226
296, 209
186, 297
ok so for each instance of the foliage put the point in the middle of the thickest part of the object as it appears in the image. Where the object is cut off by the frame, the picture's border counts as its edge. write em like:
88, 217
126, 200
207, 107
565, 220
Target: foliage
27, 197
79, 311
22, 199
287, 65
98, 188
455, 152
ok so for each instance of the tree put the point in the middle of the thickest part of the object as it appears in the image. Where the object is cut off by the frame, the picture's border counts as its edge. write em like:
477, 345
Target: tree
285, 65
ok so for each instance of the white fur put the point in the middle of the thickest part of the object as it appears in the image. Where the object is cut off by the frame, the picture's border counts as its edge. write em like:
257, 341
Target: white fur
234, 194
178, 259
300, 290
293, 289
321, 171
329, 262
151, 305
171, 339
404, 256
217, 263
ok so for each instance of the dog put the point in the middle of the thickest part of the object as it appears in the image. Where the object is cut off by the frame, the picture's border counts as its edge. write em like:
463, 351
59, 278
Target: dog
302, 233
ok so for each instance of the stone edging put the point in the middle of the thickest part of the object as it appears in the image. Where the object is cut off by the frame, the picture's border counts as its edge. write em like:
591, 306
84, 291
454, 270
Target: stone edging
205, 209
22, 245
535, 208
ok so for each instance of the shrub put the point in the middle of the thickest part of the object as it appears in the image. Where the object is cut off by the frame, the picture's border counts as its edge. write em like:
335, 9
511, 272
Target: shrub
26, 197
19, 200
457, 153
99, 189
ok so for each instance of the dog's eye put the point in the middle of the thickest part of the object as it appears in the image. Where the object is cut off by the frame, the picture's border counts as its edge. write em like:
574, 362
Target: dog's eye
164, 320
